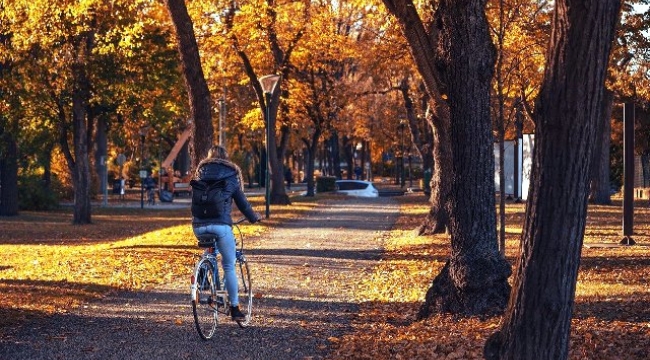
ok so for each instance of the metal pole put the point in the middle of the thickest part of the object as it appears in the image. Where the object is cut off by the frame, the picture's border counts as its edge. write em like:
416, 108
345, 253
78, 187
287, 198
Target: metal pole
402, 172
628, 174
267, 188
141, 168
261, 164
222, 120
104, 176
410, 170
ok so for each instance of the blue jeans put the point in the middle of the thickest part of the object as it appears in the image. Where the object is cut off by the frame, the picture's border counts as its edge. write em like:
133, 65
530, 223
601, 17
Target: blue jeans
226, 247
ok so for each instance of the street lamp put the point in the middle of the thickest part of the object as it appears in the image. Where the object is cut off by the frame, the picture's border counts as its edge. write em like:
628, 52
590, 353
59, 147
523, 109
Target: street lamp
143, 173
222, 120
402, 125
410, 169
268, 83
260, 170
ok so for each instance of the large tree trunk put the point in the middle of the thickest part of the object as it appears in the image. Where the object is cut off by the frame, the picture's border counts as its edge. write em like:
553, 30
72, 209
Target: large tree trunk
81, 169
278, 193
421, 140
8, 175
600, 185
422, 45
311, 145
438, 217
455, 58
538, 319
336, 155
475, 279
101, 153
197, 88
348, 153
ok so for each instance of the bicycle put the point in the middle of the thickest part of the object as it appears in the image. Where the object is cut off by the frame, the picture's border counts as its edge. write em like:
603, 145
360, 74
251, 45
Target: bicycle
208, 292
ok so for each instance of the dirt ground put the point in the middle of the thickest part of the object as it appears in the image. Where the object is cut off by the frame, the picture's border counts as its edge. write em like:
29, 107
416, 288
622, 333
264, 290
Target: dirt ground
303, 275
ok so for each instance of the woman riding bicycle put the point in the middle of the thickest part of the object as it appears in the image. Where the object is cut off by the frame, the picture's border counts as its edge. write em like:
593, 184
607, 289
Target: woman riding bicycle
217, 168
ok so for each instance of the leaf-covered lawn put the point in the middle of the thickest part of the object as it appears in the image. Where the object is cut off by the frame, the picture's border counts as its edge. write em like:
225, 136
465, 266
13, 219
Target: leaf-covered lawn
49, 265
611, 317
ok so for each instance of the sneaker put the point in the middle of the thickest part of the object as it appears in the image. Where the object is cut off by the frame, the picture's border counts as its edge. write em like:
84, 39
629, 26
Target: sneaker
236, 314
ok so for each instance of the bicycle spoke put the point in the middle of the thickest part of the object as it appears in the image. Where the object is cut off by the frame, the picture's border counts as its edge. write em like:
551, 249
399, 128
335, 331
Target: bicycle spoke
203, 308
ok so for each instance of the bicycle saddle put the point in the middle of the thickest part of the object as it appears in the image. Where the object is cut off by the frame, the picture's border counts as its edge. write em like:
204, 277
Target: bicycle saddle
206, 240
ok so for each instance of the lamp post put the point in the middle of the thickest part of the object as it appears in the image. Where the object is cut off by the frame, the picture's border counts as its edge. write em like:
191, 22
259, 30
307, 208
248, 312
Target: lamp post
268, 83
402, 125
143, 133
410, 169
222, 120
258, 136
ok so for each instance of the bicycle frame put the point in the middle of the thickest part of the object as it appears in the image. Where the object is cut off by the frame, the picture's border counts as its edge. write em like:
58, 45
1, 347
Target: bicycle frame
216, 299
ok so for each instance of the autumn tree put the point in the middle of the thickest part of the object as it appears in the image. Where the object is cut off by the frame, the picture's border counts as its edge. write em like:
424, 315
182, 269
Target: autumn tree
538, 318
8, 124
420, 131
421, 36
394, 80
518, 32
627, 81
70, 36
474, 279
328, 74
243, 23
197, 88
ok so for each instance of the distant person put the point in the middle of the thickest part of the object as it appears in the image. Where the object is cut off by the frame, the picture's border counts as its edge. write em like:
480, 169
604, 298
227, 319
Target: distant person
150, 186
288, 177
358, 172
216, 167
122, 187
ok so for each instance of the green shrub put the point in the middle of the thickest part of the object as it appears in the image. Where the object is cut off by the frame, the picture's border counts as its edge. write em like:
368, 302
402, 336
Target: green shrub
325, 183
33, 196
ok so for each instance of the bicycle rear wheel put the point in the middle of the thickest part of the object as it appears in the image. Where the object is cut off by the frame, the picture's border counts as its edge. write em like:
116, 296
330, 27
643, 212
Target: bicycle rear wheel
245, 291
204, 304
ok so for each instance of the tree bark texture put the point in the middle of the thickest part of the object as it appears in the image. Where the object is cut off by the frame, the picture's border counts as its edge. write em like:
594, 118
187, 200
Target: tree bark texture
475, 279
311, 145
8, 175
278, 194
81, 168
455, 57
422, 140
197, 88
538, 318
438, 216
422, 43
600, 184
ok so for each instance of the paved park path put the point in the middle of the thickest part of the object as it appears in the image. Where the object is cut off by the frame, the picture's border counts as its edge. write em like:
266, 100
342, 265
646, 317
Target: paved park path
303, 273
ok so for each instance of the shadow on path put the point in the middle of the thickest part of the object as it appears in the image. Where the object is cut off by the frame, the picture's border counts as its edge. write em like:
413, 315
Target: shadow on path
305, 275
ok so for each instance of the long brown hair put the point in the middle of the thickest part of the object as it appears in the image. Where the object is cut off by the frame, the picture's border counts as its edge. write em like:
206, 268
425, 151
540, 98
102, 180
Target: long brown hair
217, 152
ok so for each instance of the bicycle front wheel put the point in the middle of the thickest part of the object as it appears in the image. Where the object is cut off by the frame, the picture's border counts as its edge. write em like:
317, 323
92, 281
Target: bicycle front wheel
204, 299
245, 292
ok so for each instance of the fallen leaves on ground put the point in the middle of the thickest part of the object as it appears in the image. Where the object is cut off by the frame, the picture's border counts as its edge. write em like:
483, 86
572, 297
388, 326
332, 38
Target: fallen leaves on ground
48, 265
611, 314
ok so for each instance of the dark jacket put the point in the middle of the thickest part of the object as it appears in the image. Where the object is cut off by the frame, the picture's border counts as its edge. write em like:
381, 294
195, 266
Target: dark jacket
213, 170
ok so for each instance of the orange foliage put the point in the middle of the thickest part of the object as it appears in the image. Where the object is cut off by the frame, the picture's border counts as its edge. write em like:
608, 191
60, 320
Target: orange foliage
611, 318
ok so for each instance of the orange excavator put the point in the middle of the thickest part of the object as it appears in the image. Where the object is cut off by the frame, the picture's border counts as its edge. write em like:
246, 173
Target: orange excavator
175, 183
